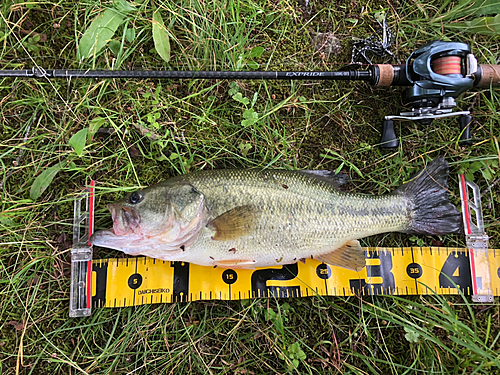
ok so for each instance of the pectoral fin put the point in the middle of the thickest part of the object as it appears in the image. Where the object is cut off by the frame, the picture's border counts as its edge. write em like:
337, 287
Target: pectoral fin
350, 255
235, 223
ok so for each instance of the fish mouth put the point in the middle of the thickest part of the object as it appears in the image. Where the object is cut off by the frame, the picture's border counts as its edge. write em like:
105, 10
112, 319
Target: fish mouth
126, 228
126, 220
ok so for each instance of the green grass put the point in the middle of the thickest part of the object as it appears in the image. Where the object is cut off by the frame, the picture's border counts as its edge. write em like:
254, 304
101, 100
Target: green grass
151, 130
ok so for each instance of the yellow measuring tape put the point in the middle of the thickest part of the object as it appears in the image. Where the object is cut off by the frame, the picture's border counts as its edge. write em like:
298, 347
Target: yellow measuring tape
396, 271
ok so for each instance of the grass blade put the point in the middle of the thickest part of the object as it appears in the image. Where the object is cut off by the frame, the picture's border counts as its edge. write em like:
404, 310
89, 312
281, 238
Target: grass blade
483, 26
160, 37
478, 8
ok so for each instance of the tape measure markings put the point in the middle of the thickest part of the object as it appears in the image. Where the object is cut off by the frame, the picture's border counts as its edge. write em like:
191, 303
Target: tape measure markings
400, 271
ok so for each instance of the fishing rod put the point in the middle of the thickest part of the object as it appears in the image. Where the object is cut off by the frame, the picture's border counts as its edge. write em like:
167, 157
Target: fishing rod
363, 75
436, 74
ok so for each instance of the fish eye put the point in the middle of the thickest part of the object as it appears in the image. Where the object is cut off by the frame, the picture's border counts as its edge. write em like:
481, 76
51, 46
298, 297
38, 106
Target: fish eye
136, 197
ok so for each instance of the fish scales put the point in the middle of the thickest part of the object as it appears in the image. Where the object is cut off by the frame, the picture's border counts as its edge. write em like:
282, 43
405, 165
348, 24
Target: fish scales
299, 216
250, 218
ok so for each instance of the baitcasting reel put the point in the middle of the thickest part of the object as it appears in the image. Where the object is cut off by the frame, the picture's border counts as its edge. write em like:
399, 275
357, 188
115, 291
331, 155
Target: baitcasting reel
437, 74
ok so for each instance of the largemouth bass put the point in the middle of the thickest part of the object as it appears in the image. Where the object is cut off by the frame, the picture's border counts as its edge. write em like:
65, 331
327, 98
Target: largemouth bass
251, 218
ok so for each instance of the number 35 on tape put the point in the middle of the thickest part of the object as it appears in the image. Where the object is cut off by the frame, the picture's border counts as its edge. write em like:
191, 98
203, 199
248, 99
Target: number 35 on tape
396, 271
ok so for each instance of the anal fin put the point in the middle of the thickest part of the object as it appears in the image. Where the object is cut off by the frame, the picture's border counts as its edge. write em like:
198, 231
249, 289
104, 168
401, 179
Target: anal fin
350, 255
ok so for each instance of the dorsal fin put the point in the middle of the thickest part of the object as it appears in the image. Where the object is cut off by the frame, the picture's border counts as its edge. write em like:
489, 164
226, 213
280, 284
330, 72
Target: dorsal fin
234, 223
350, 255
335, 179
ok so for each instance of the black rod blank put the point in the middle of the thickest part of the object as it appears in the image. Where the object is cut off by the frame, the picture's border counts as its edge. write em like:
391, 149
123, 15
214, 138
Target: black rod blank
349, 75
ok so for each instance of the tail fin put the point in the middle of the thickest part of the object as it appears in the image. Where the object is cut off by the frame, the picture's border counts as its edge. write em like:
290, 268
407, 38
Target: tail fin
431, 211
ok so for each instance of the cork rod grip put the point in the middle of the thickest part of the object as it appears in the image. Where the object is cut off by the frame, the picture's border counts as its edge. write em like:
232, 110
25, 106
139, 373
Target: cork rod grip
386, 75
490, 76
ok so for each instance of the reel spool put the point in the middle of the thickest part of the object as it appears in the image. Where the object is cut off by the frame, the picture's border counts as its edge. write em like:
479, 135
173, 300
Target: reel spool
447, 65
